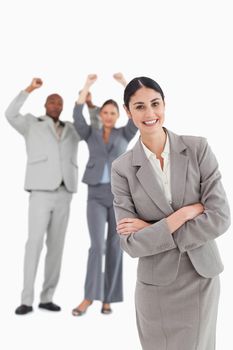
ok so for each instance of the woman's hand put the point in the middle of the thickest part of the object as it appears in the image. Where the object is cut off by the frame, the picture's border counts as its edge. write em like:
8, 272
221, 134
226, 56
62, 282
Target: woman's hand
129, 225
91, 79
83, 94
120, 78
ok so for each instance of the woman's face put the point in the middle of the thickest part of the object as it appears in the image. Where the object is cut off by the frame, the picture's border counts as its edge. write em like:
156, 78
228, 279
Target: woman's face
146, 108
109, 115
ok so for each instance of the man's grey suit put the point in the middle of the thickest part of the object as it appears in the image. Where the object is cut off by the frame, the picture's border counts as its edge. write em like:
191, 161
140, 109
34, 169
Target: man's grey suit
169, 263
51, 178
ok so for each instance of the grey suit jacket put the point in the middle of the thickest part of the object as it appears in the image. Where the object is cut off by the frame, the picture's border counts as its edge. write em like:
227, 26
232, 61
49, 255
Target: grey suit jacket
49, 160
194, 178
99, 152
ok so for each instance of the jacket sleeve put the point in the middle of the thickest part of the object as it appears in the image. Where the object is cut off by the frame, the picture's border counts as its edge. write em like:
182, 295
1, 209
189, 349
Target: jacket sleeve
216, 217
94, 117
129, 130
83, 129
19, 121
150, 240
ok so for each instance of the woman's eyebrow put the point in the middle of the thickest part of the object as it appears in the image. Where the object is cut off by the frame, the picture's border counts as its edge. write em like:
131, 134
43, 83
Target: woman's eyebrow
154, 99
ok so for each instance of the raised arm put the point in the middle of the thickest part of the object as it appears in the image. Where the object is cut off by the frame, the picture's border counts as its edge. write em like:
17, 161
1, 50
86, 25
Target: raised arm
93, 112
129, 130
139, 238
215, 220
80, 123
119, 77
83, 95
15, 118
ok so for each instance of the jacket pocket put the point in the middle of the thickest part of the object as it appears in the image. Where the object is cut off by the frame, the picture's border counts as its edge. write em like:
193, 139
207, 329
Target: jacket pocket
37, 159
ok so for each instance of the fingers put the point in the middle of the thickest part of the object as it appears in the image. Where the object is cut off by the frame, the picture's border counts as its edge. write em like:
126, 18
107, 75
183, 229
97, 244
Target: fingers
126, 226
130, 225
126, 220
92, 77
125, 232
36, 82
118, 75
199, 207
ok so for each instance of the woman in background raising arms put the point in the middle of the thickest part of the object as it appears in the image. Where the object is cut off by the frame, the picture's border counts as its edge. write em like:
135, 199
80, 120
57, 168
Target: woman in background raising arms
105, 145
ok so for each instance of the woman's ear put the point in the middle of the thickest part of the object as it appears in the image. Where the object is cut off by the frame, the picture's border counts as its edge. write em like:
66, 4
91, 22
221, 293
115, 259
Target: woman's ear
127, 111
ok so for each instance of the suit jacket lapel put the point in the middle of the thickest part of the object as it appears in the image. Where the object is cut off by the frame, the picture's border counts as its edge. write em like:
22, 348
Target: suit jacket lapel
112, 139
50, 123
147, 178
64, 130
179, 167
99, 136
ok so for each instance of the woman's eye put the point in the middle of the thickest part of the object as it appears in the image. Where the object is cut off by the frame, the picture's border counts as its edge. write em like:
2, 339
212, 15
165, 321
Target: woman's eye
139, 107
155, 104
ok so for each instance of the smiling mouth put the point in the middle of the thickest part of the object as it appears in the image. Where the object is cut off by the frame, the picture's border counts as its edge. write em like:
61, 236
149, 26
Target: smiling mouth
151, 122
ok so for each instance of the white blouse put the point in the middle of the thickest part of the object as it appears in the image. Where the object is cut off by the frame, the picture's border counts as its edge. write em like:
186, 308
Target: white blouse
163, 176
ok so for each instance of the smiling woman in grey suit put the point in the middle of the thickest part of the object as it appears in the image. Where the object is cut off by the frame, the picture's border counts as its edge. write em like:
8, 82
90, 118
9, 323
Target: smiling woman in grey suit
170, 206
104, 145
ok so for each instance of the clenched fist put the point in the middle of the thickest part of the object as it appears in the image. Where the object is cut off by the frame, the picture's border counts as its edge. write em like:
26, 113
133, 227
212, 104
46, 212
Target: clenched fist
91, 78
35, 84
120, 78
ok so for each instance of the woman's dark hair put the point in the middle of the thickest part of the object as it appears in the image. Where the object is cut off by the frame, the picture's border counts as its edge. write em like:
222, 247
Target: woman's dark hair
136, 84
110, 102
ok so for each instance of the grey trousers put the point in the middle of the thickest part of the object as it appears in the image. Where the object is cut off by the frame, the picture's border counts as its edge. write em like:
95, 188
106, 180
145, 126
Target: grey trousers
181, 315
48, 213
103, 285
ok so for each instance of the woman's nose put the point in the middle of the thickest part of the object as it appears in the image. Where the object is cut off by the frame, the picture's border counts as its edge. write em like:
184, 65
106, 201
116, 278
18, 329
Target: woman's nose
150, 111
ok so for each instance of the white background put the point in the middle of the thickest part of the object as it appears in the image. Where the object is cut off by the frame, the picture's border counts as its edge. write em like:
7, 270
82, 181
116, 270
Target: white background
187, 47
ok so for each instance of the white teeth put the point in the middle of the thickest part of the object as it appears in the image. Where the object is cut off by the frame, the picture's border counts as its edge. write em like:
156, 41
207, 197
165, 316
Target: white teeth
151, 122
